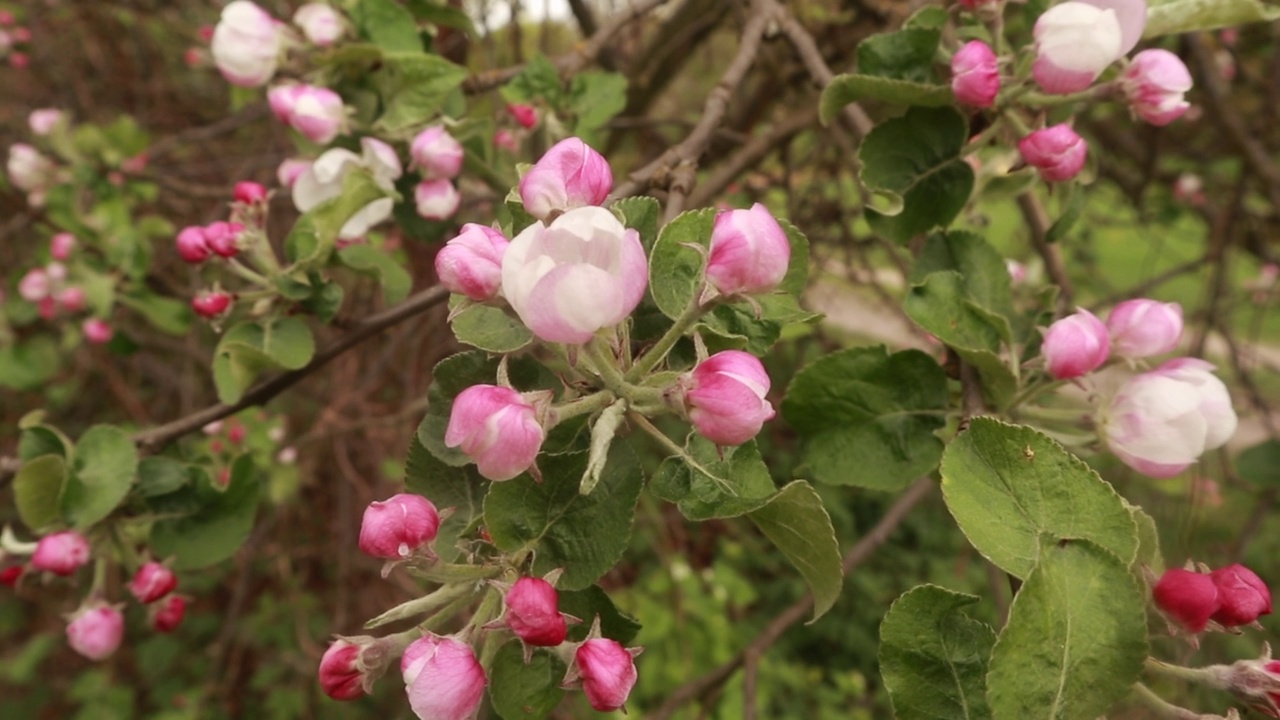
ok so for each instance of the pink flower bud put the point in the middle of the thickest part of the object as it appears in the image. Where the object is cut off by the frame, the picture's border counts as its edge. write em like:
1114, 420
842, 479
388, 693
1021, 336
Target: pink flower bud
223, 238
975, 79
71, 299
61, 245
1075, 42
318, 114
471, 263
1242, 594
34, 285
152, 582
236, 433
1075, 345
43, 121
97, 331
28, 169
10, 575
585, 254
166, 615
506, 140
340, 676
95, 631
249, 193
1191, 598
570, 175
192, 246
749, 251
497, 429
436, 154
442, 678
246, 44
726, 397
290, 170
61, 553
1155, 83
395, 527
533, 612
436, 199
320, 23
211, 304
1142, 328
47, 308
1057, 152
526, 116
608, 673
6, 18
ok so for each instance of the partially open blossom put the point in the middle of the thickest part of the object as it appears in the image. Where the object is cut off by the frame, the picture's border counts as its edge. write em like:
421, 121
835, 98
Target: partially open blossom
95, 631
581, 273
246, 44
320, 23
1242, 594
749, 251
1155, 83
210, 304
97, 331
43, 121
223, 238
975, 79
72, 299
1075, 345
340, 676
35, 285
61, 553
471, 263
1132, 16
316, 112
1057, 152
61, 245
533, 612
1160, 422
526, 116
442, 678
570, 175
1189, 597
497, 429
28, 169
726, 397
436, 154
436, 199
290, 169
249, 193
1142, 328
191, 244
152, 582
166, 615
1075, 42
323, 181
608, 672
394, 528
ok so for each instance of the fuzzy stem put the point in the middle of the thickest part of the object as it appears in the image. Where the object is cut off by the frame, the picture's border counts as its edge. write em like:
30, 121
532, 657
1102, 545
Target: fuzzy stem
654, 355
1161, 708
1202, 676
581, 406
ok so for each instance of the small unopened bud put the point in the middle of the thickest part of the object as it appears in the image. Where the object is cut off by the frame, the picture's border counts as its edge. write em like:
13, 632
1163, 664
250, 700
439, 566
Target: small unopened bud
97, 331
43, 121
61, 245
10, 575
249, 193
211, 304
394, 528
340, 678
533, 612
975, 79
726, 397
497, 429
436, 154
95, 631
1057, 152
223, 238
749, 251
166, 615
436, 199
152, 582
191, 244
1243, 595
442, 678
1075, 345
1189, 597
61, 553
608, 672
72, 299
35, 285
570, 175
1142, 328
471, 263
525, 115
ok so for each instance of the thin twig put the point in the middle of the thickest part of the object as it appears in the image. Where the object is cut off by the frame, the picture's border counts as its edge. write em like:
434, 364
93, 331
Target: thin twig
1038, 220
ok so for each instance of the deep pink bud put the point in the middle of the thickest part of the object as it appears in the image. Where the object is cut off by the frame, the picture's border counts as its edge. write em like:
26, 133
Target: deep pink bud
533, 612
1141, 328
152, 582
1057, 152
211, 304
72, 299
166, 615
570, 175
222, 238
608, 673
436, 154
1155, 83
525, 115
1191, 598
47, 308
975, 79
1075, 345
726, 397
10, 575
97, 331
395, 527
340, 676
471, 263
1242, 594
236, 433
95, 631
35, 285
749, 251
249, 192
61, 553
61, 245
442, 678
436, 199
192, 246
497, 429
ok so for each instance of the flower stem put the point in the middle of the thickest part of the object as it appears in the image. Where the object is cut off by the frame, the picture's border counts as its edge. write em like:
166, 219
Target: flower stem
1204, 676
654, 355
605, 366
1161, 708
670, 446
244, 272
581, 406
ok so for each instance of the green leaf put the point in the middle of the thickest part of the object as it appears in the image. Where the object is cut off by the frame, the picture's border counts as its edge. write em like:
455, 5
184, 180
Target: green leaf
1073, 208
395, 280
747, 330
38, 439
312, 238
930, 16
538, 80
37, 490
247, 349
460, 488
705, 486
584, 534
414, 88
1075, 641
28, 365
442, 15
164, 314
487, 327
797, 278
161, 475
1175, 17
594, 98
675, 268
903, 55
1009, 485
917, 157
215, 531
1148, 541
868, 418
851, 88
519, 690
641, 214
101, 475
933, 657
388, 25
592, 602
799, 526
984, 275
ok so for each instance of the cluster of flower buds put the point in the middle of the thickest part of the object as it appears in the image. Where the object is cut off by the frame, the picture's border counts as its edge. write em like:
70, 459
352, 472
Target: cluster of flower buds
1081, 343
1228, 597
153, 585
197, 244
12, 36
55, 294
247, 44
438, 157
